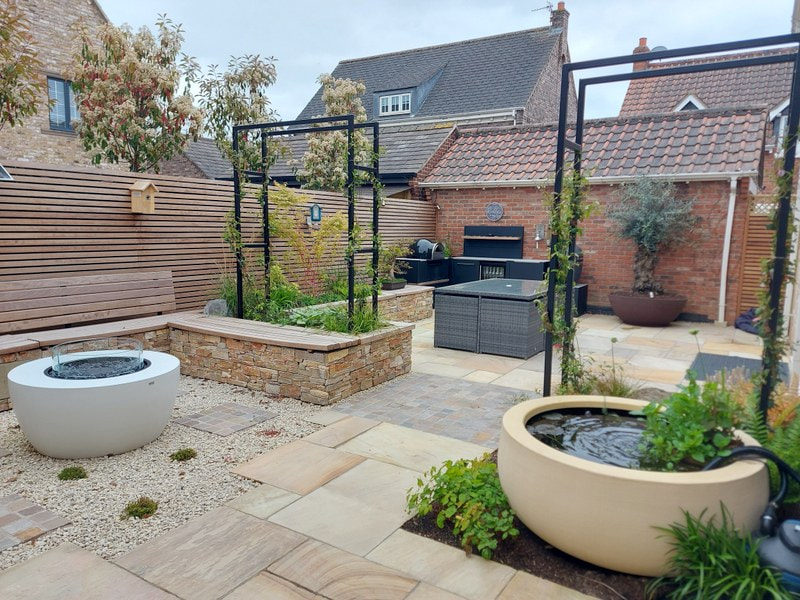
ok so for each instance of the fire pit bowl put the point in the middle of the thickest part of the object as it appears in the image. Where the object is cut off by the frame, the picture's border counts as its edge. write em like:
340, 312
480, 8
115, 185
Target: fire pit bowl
94, 398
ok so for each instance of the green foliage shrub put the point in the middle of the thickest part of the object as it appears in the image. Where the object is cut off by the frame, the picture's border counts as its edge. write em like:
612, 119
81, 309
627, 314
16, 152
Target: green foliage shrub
711, 561
466, 495
140, 509
183, 454
72, 473
693, 425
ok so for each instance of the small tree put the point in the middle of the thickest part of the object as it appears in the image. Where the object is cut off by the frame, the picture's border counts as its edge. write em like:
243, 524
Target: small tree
127, 90
325, 161
20, 82
390, 263
649, 213
238, 96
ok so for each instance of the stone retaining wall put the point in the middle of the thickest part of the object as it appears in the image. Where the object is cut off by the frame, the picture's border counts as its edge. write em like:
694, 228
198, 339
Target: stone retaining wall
309, 375
412, 303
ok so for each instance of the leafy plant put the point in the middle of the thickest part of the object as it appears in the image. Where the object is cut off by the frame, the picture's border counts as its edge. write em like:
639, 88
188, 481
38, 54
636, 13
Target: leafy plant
142, 508
335, 318
711, 561
610, 380
20, 81
649, 213
183, 454
692, 425
127, 89
72, 473
390, 263
466, 494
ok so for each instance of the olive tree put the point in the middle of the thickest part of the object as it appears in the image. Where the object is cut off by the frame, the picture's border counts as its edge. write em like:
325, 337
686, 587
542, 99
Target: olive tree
128, 91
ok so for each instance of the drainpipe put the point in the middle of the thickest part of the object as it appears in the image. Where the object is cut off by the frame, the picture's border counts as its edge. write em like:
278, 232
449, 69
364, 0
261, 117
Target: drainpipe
726, 251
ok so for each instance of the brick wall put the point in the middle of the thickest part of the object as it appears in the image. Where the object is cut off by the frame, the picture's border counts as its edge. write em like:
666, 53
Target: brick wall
50, 24
691, 268
542, 106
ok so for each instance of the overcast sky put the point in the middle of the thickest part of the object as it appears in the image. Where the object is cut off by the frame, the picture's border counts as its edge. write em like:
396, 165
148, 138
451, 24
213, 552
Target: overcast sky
308, 38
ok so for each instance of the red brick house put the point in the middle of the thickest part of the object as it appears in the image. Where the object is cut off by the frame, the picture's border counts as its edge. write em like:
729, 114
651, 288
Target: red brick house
715, 156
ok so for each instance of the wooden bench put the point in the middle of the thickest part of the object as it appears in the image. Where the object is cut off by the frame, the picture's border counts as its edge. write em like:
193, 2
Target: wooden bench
33, 304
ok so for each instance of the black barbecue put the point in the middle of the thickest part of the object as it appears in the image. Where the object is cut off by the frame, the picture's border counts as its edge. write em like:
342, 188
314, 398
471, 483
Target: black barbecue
427, 264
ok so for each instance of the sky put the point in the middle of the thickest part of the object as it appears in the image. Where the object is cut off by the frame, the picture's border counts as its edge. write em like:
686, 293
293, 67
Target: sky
309, 37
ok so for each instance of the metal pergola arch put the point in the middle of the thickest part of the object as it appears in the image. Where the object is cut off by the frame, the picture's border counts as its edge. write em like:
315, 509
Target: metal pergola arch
304, 126
563, 144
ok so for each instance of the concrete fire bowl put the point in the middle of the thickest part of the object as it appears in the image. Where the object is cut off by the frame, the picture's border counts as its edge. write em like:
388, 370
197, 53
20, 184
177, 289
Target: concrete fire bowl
84, 418
609, 515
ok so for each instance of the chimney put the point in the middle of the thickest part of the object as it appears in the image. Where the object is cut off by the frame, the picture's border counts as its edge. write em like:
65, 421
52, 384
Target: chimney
559, 18
641, 49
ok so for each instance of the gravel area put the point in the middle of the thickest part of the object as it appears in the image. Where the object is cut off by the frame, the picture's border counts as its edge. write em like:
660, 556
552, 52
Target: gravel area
183, 490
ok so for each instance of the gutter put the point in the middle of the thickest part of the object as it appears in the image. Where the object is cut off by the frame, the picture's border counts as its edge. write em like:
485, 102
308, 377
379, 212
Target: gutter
443, 120
717, 176
726, 251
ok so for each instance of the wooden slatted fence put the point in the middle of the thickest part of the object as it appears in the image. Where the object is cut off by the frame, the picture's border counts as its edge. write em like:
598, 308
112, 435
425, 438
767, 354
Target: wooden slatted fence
58, 221
757, 247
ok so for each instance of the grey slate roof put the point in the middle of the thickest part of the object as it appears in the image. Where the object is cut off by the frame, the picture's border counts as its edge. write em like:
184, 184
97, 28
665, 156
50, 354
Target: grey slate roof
205, 154
406, 148
482, 74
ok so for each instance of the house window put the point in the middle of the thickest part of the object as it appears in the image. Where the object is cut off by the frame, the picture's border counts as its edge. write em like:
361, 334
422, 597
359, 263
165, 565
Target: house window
690, 102
395, 104
689, 106
63, 110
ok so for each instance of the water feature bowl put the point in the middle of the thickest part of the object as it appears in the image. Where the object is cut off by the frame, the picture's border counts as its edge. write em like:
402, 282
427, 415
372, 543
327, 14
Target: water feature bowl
94, 397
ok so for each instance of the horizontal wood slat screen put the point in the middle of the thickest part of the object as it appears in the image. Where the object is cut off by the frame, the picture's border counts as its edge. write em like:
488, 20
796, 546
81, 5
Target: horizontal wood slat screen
59, 221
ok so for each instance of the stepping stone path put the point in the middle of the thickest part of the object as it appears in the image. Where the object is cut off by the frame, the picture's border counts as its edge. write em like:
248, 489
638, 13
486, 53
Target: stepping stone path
225, 419
21, 520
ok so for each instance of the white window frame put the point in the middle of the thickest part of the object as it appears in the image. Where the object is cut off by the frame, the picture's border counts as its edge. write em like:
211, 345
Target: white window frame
393, 104
690, 98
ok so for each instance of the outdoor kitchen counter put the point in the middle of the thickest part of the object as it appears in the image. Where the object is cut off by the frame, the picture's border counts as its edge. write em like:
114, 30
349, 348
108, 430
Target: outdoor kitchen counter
492, 316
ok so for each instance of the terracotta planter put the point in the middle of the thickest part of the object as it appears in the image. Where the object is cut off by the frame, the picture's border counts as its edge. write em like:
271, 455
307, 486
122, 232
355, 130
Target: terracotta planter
608, 515
394, 284
640, 309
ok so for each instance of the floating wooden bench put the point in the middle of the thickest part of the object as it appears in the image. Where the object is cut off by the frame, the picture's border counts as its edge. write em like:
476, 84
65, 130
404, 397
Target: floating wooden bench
33, 304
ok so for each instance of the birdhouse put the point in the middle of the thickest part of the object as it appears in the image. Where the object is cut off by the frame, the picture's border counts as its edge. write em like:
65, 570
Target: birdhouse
143, 197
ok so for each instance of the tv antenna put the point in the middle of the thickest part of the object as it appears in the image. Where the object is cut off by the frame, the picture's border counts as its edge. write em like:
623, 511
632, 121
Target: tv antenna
548, 6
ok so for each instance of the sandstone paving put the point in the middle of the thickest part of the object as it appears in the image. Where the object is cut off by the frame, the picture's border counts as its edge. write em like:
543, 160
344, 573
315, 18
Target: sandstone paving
439, 369
299, 467
341, 431
356, 511
481, 376
443, 566
211, 555
409, 448
339, 575
22, 520
226, 419
263, 501
425, 591
524, 586
69, 572
269, 587
326, 416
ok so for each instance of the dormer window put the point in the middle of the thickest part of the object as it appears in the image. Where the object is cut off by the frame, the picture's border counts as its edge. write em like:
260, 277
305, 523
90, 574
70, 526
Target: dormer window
395, 104
691, 102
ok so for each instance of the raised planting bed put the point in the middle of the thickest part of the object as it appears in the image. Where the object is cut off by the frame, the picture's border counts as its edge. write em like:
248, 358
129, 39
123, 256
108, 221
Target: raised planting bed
410, 304
310, 365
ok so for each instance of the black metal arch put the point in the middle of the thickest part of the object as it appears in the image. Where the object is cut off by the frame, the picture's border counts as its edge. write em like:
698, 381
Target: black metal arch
563, 145
302, 126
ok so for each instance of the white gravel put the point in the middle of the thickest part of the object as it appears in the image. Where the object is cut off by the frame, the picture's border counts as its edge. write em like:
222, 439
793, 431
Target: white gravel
183, 490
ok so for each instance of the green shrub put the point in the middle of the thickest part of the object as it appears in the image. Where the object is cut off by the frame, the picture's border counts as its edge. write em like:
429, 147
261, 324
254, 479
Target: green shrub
712, 562
183, 454
693, 425
140, 509
72, 473
335, 318
467, 495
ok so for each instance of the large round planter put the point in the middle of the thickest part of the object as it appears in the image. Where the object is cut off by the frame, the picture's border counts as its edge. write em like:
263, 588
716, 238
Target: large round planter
608, 515
641, 309
85, 418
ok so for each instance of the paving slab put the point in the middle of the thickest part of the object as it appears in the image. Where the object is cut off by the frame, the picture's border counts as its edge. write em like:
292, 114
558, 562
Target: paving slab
326, 417
425, 591
299, 467
263, 501
443, 566
22, 520
356, 511
226, 419
269, 587
524, 586
467, 410
340, 575
211, 555
415, 450
72, 573
341, 431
